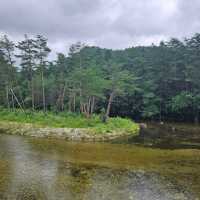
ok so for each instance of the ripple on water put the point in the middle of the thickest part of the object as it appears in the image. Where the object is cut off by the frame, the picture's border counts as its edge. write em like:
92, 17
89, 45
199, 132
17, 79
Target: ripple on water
57, 172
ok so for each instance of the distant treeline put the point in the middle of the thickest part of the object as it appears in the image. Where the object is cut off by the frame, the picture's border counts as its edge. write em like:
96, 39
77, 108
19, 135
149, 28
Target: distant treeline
153, 83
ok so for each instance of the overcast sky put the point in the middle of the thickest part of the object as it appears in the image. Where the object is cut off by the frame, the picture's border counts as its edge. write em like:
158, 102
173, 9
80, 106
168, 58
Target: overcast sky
106, 23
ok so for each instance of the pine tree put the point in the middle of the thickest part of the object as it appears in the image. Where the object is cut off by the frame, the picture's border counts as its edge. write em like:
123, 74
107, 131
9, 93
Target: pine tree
27, 55
42, 52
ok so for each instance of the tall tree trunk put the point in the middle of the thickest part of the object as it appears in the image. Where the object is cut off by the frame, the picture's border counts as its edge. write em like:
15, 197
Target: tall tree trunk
19, 104
92, 105
88, 108
74, 102
7, 97
109, 106
43, 91
32, 94
69, 106
81, 110
80, 66
62, 98
13, 102
32, 88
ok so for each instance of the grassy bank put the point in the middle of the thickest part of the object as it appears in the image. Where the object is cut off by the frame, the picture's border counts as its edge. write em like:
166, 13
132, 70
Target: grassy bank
69, 120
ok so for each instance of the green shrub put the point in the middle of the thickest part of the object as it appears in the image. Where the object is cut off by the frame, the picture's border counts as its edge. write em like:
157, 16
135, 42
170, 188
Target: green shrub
70, 120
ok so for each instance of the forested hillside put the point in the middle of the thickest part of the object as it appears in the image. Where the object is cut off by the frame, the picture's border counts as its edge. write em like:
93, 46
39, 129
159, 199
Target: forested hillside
155, 82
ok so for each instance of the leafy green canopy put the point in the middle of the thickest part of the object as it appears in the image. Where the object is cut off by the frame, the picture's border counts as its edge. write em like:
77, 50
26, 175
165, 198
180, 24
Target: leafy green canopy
155, 82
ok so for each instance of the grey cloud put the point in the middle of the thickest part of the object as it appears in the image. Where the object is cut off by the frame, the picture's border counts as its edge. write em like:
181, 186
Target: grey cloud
187, 20
112, 24
54, 18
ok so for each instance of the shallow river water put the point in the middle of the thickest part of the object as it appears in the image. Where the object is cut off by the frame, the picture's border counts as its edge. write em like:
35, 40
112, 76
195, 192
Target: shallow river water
47, 169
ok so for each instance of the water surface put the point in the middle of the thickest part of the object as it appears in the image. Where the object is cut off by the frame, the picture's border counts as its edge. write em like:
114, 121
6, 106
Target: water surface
47, 169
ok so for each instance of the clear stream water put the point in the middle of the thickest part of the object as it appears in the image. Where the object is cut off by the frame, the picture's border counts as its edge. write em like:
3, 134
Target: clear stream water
47, 169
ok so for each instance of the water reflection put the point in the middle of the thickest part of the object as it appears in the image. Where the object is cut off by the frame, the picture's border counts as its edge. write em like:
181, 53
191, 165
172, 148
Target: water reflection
33, 176
32, 169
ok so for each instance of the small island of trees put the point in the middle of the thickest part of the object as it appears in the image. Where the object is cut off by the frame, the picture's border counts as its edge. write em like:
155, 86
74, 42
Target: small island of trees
157, 82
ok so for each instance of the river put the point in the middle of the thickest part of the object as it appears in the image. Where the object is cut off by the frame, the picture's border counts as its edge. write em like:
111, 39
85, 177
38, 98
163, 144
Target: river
47, 169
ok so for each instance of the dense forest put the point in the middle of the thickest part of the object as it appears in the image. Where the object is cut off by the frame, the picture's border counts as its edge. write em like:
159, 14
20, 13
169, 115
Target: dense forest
157, 82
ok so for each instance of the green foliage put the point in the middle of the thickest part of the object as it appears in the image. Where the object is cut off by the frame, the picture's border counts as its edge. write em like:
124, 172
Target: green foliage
117, 124
181, 101
70, 120
119, 80
93, 83
153, 82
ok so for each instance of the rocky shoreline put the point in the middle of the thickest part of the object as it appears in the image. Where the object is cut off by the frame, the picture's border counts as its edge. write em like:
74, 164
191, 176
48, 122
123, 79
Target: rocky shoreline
70, 134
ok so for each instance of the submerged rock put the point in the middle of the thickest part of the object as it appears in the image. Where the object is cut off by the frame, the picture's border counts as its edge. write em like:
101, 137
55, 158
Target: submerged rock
143, 125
